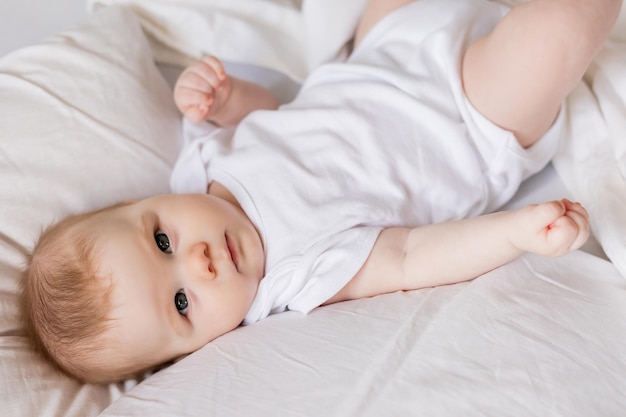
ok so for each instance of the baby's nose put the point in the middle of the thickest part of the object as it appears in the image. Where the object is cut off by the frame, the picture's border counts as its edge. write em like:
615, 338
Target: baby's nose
199, 262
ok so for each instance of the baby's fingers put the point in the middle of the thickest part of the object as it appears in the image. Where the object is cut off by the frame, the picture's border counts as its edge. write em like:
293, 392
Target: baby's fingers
198, 79
205, 75
579, 216
195, 114
217, 69
577, 208
193, 104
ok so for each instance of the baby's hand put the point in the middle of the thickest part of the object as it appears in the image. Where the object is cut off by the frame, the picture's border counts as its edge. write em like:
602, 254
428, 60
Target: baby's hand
550, 229
202, 89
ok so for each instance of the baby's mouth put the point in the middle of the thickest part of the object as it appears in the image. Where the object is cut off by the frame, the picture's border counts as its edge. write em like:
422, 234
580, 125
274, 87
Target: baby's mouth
232, 249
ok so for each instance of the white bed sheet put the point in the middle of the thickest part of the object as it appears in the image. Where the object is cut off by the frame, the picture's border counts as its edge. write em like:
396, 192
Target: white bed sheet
535, 337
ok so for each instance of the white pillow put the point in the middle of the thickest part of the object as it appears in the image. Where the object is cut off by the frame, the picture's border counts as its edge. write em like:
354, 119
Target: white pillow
86, 120
290, 36
269, 33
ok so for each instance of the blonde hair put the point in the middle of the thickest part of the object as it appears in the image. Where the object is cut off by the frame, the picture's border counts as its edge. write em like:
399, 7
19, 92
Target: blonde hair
66, 304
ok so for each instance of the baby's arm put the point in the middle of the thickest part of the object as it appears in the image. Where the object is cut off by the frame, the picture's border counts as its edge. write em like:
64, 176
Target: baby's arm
519, 74
205, 92
451, 252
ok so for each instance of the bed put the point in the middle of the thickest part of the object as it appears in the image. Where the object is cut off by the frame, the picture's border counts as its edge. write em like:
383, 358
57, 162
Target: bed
87, 119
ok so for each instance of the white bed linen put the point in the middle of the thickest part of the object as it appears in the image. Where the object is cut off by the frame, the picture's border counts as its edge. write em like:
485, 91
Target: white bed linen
592, 161
291, 36
536, 337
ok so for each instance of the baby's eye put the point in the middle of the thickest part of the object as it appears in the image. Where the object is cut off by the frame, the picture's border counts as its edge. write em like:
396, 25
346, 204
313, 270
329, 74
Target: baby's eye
181, 302
162, 241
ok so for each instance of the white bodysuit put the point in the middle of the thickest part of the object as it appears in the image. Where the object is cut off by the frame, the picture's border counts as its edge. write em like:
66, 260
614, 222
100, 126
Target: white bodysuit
386, 138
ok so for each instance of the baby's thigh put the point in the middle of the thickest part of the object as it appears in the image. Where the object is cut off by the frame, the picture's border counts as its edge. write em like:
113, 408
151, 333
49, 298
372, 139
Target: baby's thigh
518, 75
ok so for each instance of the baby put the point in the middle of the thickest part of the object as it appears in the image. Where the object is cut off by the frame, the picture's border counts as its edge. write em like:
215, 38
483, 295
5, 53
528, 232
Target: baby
373, 180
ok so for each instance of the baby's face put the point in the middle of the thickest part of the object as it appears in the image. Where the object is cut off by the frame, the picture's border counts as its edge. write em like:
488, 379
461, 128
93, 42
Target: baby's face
184, 270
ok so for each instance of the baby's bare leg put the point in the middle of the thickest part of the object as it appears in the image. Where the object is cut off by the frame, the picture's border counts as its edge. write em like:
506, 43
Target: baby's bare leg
519, 75
374, 11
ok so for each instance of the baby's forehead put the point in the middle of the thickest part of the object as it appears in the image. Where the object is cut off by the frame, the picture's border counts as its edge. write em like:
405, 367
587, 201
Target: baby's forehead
96, 228
114, 216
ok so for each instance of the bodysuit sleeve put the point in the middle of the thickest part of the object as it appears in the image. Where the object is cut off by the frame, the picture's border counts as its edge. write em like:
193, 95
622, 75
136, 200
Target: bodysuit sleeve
202, 141
304, 282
